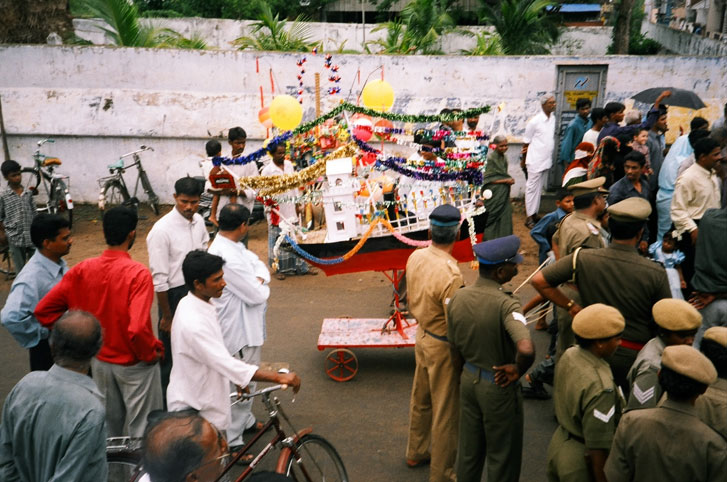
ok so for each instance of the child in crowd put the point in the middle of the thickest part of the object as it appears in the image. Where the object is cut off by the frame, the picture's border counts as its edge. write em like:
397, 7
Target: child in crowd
665, 252
218, 181
17, 210
639, 145
543, 231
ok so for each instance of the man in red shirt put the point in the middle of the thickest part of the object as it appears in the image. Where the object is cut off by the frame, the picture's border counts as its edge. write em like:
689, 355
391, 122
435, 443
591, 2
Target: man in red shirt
119, 292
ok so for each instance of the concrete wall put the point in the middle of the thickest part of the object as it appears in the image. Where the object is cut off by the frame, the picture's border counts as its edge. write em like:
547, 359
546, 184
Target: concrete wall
101, 102
220, 34
683, 43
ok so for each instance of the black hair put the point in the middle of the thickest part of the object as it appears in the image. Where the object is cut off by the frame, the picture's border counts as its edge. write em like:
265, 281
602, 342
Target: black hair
199, 265
444, 234
668, 236
679, 387
188, 186
236, 134
446, 110
586, 343
213, 147
624, 229
72, 344
46, 226
170, 452
421, 137
635, 156
717, 354
704, 147
598, 113
273, 146
232, 216
562, 194
585, 200
698, 123
582, 102
8, 167
118, 222
696, 135
613, 108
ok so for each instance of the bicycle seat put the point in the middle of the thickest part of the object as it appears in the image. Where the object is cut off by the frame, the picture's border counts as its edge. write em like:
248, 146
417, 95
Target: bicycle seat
51, 161
117, 165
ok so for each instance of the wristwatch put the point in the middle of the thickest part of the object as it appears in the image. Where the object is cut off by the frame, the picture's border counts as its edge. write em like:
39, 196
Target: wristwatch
570, 305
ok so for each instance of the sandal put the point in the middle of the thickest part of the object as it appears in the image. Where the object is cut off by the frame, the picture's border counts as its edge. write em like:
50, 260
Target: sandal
280, 276
311, 272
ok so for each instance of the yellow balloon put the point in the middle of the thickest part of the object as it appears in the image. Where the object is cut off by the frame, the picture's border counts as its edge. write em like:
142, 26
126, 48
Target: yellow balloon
378, 95
285, 112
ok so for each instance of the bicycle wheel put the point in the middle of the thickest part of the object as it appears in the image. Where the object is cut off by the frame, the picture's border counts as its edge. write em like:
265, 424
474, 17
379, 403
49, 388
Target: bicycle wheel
114, 194
57, 203
124, 466
31, 181
319, 461
153, 198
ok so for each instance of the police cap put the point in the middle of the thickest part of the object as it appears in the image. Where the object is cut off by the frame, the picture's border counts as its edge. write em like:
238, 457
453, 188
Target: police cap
598, 321
688, 361
630, 210
588, 187
717, 334
445, 215
676, 315
499, 250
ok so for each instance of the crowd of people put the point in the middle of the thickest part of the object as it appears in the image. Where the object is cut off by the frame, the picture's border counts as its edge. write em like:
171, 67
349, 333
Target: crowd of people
629, 356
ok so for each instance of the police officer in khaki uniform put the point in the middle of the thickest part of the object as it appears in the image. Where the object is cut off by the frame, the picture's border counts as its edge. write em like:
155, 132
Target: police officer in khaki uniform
587, 401
670, 442
712, 406
616, 276
488, 330
433, 276
678, 322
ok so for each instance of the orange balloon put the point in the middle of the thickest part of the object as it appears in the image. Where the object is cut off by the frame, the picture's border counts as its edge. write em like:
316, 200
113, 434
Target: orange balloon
383, 124
264, 117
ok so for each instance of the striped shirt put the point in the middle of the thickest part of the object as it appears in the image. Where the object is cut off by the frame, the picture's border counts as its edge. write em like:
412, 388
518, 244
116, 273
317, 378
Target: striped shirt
17, 213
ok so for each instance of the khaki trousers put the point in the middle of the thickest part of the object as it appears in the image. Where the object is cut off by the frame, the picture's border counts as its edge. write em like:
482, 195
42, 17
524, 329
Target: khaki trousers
566, 459
434, 406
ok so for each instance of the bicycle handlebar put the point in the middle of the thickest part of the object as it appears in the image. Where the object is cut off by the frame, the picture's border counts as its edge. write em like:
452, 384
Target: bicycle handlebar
141, 149
41, 142
248, 396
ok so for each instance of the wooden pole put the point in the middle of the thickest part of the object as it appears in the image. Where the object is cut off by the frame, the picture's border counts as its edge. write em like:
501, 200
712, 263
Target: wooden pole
6, 150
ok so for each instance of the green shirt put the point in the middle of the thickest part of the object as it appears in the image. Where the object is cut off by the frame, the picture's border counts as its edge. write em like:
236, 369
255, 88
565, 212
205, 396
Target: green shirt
485, 323
619, 277
577, 230
712, 406
644, 376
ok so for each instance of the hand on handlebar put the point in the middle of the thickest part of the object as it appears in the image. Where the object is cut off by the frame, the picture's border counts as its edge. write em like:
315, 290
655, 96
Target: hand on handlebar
289, 379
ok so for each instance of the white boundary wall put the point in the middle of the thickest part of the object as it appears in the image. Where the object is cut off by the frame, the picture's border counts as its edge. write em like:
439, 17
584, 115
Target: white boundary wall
101, 102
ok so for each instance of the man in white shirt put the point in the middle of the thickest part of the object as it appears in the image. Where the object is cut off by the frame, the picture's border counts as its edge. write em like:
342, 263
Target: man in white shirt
288, 262
241, 308
177, 233
537, 156
203, 366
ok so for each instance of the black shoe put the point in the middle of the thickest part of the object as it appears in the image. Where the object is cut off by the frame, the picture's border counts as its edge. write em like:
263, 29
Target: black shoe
536, 391
529, 223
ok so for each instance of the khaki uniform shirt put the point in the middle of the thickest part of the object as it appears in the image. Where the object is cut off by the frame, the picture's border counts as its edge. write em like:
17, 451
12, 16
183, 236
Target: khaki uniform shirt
619, 277
432, 277
485, 323
644, 376
587, 402
712, 406
666, 443
577, 230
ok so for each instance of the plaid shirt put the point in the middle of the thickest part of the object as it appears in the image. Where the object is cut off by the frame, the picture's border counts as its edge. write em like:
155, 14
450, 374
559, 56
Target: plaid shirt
16, 213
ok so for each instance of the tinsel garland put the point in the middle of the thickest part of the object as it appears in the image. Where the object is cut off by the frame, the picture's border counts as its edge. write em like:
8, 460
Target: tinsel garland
471, 176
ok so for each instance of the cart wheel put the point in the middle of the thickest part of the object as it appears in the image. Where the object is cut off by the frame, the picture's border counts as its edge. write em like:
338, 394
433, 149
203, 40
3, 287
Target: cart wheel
341, 365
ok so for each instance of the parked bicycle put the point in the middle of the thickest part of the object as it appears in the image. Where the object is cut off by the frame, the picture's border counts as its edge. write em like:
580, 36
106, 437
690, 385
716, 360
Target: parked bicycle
114, 191
50, 189
303, 456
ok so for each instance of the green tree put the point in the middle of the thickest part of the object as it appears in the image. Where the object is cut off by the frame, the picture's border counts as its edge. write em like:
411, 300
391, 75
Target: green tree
525, 27
487, 44
32, 22
272, 34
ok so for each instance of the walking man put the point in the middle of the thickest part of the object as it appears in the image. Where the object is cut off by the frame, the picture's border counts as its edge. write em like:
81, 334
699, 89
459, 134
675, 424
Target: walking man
177, 233
537, 156
488, 331
119, 292
241, 308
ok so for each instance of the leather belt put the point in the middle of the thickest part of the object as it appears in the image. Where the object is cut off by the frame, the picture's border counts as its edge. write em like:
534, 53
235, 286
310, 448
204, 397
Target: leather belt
440, 338
632, 345
480, 372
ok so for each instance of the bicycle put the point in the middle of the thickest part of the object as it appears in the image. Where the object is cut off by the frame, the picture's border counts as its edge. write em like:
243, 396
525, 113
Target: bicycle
303, 456
53, 196
113, 188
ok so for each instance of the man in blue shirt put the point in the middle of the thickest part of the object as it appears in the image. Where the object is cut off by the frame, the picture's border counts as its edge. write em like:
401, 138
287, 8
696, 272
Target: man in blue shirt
543, 231
51, 235
615, 111
633, 184
575, 131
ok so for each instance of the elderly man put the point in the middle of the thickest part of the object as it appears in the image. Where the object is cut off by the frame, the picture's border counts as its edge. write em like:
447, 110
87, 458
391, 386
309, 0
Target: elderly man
53, 422
537, 156
498, 181
433, 277
241, 308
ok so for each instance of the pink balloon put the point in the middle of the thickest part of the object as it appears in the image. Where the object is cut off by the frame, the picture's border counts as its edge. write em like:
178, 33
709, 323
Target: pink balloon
363, 128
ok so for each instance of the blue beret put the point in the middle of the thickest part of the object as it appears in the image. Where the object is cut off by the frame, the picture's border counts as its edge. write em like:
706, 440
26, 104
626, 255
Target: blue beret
445, 215
499, 250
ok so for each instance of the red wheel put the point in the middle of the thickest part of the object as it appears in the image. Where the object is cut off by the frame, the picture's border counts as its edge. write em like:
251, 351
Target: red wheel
341, 365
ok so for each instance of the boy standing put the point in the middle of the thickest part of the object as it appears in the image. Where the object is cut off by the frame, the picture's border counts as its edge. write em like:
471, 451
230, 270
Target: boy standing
599, 118
544, 230
17, 210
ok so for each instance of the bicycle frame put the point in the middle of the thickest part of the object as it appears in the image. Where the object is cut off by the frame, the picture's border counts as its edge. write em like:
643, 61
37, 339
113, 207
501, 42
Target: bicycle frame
47, 174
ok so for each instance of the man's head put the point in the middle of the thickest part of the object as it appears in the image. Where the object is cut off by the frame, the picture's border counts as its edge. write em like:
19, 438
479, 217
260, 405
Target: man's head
183, 447
564, 200
75, 338
708, 153
237, 137
685, 373
233, 219
634, 163
598, 328
642, 137
456, 124
698, 123
678, 321
213, 148
424, 139
277, 153
627, 218
11, 172
714, 347
472, 122
119, 226
498, 258
661, 125
444, 224
615, 111
599, 117
547, 102
588, 196
203, 274
500, 143
583, 106
51, 235
696, 136
632, 117
187, 192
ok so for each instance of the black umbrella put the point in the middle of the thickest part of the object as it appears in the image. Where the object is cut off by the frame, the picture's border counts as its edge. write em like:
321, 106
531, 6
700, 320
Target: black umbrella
678, 97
